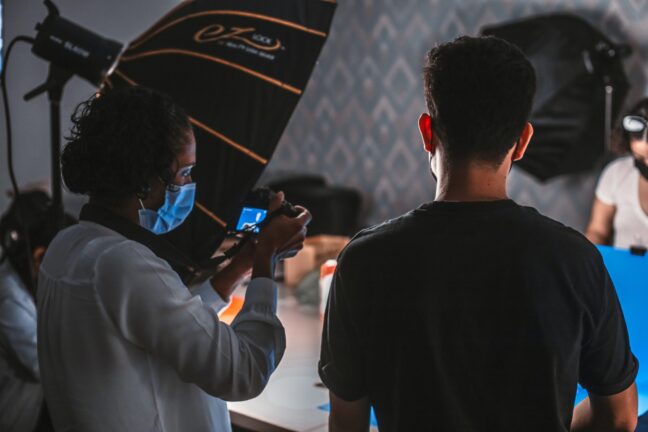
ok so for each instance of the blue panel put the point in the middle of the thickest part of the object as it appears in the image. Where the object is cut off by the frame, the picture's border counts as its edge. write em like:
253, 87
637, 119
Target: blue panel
630, 276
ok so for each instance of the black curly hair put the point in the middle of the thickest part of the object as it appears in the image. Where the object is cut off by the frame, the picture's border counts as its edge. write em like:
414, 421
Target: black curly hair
479, 92
121, 140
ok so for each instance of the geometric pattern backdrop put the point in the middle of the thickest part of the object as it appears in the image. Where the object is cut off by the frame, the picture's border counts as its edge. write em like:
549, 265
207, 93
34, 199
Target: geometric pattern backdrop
356, 122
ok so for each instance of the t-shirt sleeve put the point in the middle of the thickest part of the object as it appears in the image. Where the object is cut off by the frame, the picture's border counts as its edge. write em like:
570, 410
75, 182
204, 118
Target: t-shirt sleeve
341, 365
607, 184
607, 364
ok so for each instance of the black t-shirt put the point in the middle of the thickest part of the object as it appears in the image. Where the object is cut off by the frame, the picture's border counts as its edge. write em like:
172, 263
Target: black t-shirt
473, 316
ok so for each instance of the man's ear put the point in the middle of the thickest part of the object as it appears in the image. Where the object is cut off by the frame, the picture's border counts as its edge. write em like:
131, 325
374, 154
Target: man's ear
523, 142
427, 134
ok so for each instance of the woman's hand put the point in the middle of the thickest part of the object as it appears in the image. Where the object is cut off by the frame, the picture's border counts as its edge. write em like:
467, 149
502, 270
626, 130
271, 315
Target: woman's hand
282, 238
244, 260
296, 243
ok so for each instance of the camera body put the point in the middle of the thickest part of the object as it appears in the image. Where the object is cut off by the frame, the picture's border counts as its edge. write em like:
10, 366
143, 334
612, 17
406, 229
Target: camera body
254, 214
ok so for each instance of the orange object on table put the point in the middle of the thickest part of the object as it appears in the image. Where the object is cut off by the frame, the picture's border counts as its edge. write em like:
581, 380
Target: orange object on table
236, 304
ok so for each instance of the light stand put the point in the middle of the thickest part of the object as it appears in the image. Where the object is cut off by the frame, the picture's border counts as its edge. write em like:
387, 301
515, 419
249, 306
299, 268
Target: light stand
71, 50
607, 55
56, 80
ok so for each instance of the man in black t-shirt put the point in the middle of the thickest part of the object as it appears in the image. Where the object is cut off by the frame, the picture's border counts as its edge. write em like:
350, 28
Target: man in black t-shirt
472, 313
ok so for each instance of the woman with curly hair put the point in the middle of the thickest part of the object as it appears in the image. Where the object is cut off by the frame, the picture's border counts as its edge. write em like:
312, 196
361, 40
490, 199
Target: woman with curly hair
123, 343
620, 210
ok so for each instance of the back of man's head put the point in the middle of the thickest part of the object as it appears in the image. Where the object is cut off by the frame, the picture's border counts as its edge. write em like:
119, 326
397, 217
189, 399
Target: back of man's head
479, 93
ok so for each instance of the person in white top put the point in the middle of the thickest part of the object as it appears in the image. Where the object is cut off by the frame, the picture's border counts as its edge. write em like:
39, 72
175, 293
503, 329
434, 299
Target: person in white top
123, 343
620, 210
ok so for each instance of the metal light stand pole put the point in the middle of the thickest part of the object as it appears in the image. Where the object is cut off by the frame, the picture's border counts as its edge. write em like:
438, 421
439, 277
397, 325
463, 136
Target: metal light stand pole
56, 80
609, 94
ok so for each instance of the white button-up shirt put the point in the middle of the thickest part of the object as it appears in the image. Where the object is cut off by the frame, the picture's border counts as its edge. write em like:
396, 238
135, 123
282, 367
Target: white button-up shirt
125, 346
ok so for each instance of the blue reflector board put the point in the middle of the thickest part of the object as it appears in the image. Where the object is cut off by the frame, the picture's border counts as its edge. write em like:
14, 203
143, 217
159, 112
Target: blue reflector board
630, 276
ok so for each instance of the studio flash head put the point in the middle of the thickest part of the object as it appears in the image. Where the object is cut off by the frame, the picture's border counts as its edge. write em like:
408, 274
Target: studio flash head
74, 48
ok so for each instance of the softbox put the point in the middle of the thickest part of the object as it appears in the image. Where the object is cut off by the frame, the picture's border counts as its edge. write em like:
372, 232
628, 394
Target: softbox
238, 67
575, 66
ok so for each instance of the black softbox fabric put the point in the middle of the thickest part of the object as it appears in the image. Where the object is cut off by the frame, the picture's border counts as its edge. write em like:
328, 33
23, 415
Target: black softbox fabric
238, 67
574, 62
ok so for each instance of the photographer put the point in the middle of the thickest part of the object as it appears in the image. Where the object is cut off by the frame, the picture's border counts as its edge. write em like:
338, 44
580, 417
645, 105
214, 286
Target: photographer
123, 344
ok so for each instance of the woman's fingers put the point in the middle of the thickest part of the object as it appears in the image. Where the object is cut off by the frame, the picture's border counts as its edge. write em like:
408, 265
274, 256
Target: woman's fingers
275, 201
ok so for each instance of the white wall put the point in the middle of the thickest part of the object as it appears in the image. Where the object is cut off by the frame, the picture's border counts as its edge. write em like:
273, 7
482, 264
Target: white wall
116, 19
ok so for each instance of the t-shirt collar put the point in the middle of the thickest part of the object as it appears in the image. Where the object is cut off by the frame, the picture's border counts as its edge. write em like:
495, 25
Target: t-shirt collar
469, 205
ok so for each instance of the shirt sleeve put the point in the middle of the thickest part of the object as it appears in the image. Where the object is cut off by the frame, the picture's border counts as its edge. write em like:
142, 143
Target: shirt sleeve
208, 295
607, 365
18, 330
153, 309
606, 186
341, 364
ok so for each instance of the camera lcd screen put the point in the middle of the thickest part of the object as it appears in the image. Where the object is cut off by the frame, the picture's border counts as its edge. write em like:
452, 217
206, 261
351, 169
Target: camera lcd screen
250, 216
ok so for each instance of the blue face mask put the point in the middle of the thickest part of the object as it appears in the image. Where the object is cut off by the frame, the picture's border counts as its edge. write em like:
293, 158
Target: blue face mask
178, 203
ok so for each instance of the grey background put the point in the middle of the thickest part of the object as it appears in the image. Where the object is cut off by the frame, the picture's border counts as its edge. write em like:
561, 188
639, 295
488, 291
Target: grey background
356, 123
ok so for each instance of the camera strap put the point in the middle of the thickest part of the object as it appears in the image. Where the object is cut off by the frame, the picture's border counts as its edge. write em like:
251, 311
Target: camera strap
190, 272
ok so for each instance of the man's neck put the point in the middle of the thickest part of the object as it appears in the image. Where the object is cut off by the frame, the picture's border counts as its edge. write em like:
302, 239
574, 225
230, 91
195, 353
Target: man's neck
472, 183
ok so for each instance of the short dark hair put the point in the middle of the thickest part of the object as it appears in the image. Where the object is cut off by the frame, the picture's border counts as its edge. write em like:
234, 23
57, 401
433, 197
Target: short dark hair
121, 140
621, 138
479, 93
